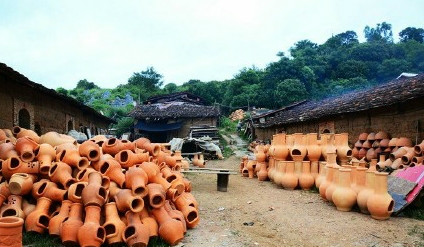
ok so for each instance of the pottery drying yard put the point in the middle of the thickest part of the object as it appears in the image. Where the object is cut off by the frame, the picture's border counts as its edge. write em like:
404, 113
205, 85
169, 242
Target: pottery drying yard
254, 213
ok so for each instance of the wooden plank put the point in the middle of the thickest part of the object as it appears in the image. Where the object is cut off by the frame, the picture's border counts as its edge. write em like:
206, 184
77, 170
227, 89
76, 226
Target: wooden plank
211, 172
211, 169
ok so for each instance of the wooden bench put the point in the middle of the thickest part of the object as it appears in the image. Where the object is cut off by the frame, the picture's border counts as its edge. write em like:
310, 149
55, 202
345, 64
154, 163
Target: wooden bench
223, 175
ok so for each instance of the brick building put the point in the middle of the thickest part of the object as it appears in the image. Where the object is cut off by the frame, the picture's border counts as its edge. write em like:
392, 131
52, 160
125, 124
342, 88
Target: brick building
396, 107
163, 117
33, 106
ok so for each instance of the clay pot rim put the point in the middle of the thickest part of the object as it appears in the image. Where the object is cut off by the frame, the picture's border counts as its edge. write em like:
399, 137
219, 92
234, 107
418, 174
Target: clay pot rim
11, 221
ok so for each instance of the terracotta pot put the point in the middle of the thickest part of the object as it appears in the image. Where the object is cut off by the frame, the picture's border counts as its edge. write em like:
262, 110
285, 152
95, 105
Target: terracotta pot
188, 210
156, 195
260, 153
94, 193
82, 175
56, 221
404, 142
46, 188
26, 148
27, 207
418, 160
22, 132
113, 225
373, 165
15, 165
70, 227
366, 192
175, 214
398, 153
280, 167
200, 161
381, 135
380, 204
113, 170
91, 233
306, 180
321, 174
38, 220
333, 184
371, 154
363, 137
313, 149
61, 173
98, 140
397, 164
407, 158
154, 175
65, 146
195, 159
73, 159
170, 230
127, 158
250, 168
289, 179
152, 148
418, 149
75, 191
384, 143
112, 146
167, 173
325, 183
263, 173
298, 151
149, 222
125, 201
21, 183
187, 184
344, 152
362, 153
359, 180
46, 154
281, 150
13, 207
136, 233
11, 231
90, 150
344, 197
7, 150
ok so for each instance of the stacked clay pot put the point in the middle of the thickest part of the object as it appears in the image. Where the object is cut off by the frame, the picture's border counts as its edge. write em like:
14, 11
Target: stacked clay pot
101, 191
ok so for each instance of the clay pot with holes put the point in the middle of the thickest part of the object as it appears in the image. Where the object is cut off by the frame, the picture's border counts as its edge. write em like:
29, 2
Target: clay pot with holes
112, 169
149, 222
136, 180
113, 225
56, 221
125, 201
13, 207
26, 148
21, 183
70, 227
61, 173
156, 195
380, 204
152, 148
16, 165
46, 155
73, 159
11, 231
90, 150
75, 191
38, 220
46, 188
94, 193
7, 150
22, 132
128, 158
91, 233
136, 233
170, 230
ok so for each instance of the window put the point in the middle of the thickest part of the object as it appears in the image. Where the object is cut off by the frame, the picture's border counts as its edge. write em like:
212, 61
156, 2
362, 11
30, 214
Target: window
24, 120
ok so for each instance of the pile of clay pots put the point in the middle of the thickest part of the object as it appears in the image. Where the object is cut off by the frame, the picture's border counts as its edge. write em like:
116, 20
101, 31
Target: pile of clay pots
100, 191
237, 115
302, 161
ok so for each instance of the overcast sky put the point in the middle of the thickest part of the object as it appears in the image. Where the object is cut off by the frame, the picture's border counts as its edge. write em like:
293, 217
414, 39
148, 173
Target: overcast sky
57, 43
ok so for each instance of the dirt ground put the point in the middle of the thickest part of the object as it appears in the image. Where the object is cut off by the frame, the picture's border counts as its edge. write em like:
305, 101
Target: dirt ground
254, 213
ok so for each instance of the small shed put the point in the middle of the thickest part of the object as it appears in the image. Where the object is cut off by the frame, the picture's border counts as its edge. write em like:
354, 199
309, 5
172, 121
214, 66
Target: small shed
164, 117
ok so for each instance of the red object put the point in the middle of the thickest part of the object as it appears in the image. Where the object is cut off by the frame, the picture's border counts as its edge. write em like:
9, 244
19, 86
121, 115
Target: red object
414, 174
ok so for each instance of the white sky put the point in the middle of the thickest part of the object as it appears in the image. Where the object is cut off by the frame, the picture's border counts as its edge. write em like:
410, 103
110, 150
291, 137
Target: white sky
57, 43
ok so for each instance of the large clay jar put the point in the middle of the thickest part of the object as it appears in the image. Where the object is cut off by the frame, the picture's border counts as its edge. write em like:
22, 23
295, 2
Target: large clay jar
13, 207
344, 152
281, 150
22, 132
136, 180
380, 204
55, 139
152, 148
398, 153
251, 167
366, 192
73, 158
91, 233
321, 174
125, 201
70, 227
404, 142
112, 146
11, 231
323, 144
61, 173
188, 210
128, 158
373, 165
21, 183
314, 152
26, 148
7, 150
306, 180
407, 158
289, 179
136, 233
359, 179
113, 225
46, 188
112, 169
333, 184
344, 197
149, 222
278, 173
90, 150
56, 221
171, 161
328, 179
156, 195
15, 165
298, 151
170, 230
154, 175
94, 193
38, 220
46, 154
262, 173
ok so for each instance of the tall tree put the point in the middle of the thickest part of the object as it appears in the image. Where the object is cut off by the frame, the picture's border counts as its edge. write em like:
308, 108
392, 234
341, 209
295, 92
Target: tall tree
412, 33
149, 79
381, 33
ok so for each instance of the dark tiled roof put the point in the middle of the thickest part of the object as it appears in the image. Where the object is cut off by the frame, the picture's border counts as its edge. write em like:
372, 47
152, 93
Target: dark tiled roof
393, 92
180, 96
174, 110
19, 78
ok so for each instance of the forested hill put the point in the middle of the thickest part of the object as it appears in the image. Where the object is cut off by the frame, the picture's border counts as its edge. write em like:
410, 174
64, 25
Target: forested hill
308, 71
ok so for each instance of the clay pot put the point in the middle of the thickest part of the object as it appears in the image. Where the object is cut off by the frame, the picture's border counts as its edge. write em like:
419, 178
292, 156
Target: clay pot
397, 164
113, 225
153, 174
91, 233
263, 173
289, 179
371, 137
22, 132
46, 154
149, 222
188, 210
94, 193
38, 220
281, 150
21, 183
333, 184
359, 181
298, 151
362, 153
344, 197
90, 150
46, 188
321, 174
381, 135
384, 143
156, 195
70, 227
330, 146
200, 161
380, 204
113, 146
344, 152
278, 173
171, 161
11, 231
373, 165
56, 221
363, 137
250, 168
170, 230
15, 165
367, 145
325, 183
366, 192
26, 148
73, 158
371, 154
418, 160
13, 207
75, 191
167, 173
125, 201
7, 150
27, 207
98, 139
61, 173
152, 148
136, 233
260, 153
306, 180
404, 142
407, 158
127, 158
418, 149
112, 169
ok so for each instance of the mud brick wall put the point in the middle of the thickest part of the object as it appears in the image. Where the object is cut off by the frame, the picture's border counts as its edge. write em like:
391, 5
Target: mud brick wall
404, 119
187, 123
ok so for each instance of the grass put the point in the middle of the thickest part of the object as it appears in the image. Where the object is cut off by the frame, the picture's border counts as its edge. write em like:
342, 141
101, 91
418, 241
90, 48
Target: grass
414, 212
225, 149
33, 239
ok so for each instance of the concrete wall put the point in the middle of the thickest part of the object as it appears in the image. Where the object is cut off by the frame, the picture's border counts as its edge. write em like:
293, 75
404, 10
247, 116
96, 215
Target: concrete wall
405, 119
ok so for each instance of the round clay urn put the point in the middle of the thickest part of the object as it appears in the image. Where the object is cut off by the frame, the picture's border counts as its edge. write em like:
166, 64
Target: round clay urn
380, 204
384, 143
46, 155
289, 179
344, 197
344, 152
136, 233
419, 148
38, 220
11, 231
281, 150
91, 233
70, 227
171, 230
332, 184
298, 151
321, 174
363, 137
366, 192
306, 180
381, 135
56, 221
404, 142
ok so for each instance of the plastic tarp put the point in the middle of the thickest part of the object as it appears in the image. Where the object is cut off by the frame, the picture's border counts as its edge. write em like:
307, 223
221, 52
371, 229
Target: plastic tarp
158, 127
177, 144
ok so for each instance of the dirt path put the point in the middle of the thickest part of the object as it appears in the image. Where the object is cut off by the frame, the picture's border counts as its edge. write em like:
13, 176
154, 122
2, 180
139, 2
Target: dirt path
285, 218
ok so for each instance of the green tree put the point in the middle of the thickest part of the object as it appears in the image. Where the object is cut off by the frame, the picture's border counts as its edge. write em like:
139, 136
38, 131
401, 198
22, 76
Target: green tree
412, 33
381, 33
170, 88
148, 79
86, 85
62, 90
290, 91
